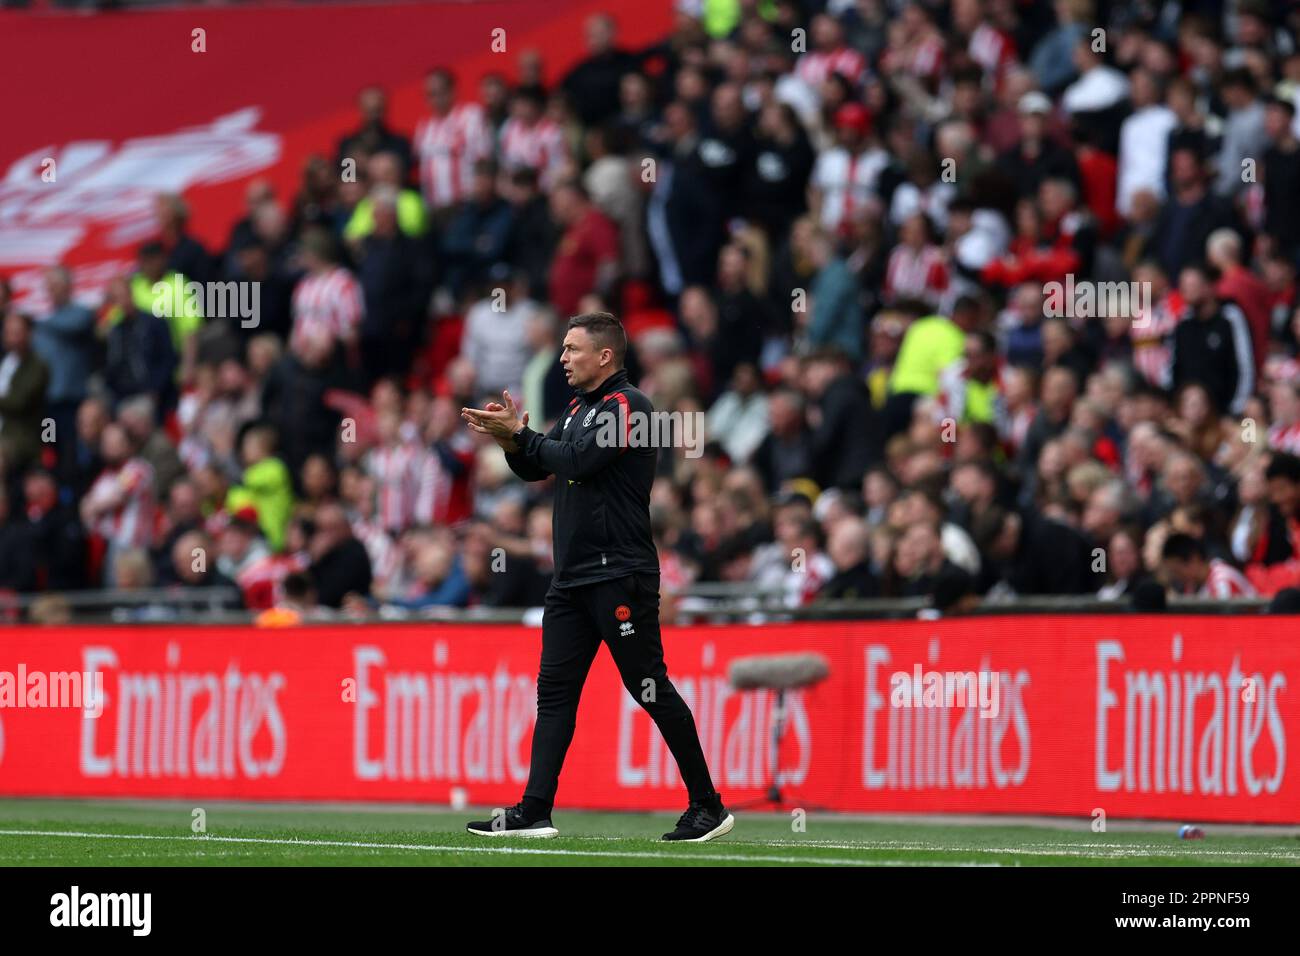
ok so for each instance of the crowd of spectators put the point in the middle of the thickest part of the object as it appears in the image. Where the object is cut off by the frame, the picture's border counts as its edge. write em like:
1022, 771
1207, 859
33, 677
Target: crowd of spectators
836, 230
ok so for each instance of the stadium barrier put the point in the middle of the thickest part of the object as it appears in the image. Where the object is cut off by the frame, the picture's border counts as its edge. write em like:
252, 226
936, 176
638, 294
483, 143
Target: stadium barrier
1160, 717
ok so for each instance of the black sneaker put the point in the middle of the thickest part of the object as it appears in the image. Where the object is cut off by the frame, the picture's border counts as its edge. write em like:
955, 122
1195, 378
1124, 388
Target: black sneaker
514, 822
703, 820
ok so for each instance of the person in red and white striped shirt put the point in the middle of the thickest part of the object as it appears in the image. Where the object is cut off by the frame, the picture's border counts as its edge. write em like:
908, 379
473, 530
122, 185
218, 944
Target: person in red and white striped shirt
327, 303
915, 46
1185, 565
1284, 401
988, 46
121, 505
448, 141
829, 55
1152, 333
402, 473
917, 268
530, 139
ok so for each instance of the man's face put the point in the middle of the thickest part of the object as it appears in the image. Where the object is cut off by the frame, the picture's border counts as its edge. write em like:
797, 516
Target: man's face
372, 105
153, 266
978, 360
1285, 495
1192, 287
585, 364
1276, 122
15, 333
438, 92
1185, 171
600, 35
1184, 575
58, 287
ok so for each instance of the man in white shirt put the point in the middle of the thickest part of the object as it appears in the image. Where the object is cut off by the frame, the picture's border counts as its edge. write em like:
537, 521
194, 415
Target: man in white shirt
1143, 143
1099, 87
845, 178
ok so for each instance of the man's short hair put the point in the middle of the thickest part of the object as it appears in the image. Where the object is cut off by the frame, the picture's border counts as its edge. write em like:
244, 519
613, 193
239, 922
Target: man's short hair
606, 331
1182, 547
1283, 466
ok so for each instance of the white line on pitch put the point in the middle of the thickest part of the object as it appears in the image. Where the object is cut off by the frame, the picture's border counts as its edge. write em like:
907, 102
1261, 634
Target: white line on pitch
536, 851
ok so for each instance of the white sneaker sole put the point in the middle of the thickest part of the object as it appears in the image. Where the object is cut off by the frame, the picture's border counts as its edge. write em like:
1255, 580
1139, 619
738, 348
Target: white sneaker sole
539, 833
722, 829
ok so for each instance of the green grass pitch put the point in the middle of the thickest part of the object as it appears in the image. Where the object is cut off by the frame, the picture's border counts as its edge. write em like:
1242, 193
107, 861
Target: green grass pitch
159, 833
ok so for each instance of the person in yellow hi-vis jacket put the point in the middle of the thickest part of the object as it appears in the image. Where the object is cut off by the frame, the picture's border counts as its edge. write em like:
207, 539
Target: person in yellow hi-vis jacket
266, 486
161, 292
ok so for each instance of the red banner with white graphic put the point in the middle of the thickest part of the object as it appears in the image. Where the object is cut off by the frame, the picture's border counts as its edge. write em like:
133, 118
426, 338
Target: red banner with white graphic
1157, 717
123, 105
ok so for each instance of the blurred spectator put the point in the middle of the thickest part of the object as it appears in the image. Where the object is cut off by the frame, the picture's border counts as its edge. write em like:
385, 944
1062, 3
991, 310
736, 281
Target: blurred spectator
65, 341
185, 254
141, 358
478, 233
119, 507
1212, 345
404, 208
19, 561
339, 563
1187, 568
266, 486
587, 257
373, 135
593, 85
448, 142
24, 379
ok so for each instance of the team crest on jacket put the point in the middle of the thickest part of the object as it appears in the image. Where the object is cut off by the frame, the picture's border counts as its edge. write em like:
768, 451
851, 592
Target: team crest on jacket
590, 415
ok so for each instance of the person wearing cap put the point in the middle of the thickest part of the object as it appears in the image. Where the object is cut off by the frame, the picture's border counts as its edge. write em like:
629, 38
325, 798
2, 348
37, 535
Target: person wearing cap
1037, 156
845, 178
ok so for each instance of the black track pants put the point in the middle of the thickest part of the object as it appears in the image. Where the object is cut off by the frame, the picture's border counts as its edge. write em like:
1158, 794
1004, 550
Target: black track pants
624, 613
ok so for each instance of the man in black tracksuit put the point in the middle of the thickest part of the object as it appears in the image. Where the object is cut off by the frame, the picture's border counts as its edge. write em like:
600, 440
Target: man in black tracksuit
606, 584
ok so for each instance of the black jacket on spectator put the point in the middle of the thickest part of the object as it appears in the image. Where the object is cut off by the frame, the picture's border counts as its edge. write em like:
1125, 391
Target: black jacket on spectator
369, 140
726, 156
531, 244
293, 401
190, 259
775, 183
477, 238
141, 359
340, 571
1181, 231
851, 584
212, 578
60, 549
593, 85
685, 220
1281, 189
845, 443
1216, 352
396, 275
1052, 558
18, 558
779, 460
1026, 173
518, 584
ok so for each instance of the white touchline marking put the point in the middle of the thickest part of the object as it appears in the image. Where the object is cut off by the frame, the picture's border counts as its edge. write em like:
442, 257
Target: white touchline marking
1172, 851
733, 857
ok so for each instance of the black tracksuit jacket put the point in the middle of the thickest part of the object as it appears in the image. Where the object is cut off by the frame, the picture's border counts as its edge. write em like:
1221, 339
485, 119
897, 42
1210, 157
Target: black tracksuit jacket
601, 520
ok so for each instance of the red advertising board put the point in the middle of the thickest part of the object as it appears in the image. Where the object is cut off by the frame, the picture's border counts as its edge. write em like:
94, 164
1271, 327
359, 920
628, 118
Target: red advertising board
1154, 717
